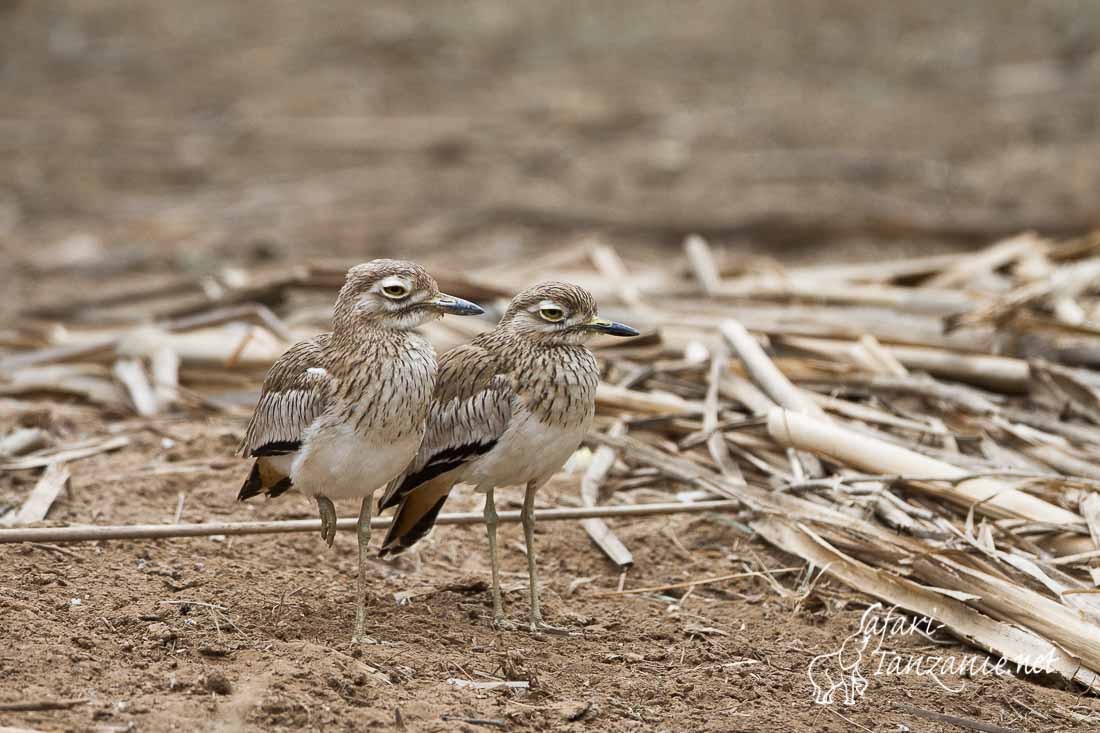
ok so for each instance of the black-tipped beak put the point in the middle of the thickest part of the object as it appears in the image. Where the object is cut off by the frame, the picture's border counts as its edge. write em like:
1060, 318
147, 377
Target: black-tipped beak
611, 328
456, 306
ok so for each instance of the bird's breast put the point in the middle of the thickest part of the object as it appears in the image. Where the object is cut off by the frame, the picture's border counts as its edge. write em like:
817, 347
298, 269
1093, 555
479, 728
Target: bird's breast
338, 461
390, 396
529, 450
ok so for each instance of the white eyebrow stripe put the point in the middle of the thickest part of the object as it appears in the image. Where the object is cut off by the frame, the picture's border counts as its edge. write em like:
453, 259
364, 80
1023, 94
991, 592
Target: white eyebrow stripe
394, 280
317, 372
549, 304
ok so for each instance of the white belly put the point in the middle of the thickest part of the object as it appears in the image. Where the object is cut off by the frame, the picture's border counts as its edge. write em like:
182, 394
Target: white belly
528, 451
338, 462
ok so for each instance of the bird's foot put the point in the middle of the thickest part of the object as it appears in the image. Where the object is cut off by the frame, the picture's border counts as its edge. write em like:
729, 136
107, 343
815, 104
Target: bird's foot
328, 519
361, 638
500, 623
538, 626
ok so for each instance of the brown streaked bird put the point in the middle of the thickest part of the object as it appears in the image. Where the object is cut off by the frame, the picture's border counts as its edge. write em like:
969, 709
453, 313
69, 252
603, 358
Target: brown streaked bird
343, 413
509, 409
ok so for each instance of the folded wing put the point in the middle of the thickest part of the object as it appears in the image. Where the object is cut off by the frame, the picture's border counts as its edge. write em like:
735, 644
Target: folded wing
296, 391
471, 409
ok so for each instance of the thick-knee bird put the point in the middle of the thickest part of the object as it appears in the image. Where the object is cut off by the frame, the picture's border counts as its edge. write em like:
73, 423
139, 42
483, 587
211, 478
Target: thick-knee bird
343, 413
509, 409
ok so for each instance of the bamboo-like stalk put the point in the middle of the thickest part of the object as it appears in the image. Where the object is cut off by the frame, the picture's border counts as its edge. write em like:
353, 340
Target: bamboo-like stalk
702, 264
876, 456
166, 531
1002, 637
611, 396
951, 429
598, 470
764, 372
997, 372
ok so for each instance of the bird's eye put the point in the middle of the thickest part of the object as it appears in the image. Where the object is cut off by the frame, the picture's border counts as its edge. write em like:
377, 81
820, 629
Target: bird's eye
553, 315
395, 291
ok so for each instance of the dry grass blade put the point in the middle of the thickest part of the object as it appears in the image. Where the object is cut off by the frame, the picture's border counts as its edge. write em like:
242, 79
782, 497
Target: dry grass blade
66, 455
1016, 644
951, 474
149, 531
1065, 281
702, 264
52, 482
867, 454
764, 372
994, 257
89, 382
955, 720
132, 375
611, 266
603, 459
613, 397
23, 440
701, 581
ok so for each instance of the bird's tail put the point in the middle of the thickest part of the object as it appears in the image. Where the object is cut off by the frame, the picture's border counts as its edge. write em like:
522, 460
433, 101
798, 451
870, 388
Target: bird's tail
264, 479
416, 515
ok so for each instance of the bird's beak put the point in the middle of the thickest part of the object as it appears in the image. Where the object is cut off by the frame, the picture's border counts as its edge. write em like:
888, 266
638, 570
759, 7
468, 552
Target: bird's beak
611, 328
457, 306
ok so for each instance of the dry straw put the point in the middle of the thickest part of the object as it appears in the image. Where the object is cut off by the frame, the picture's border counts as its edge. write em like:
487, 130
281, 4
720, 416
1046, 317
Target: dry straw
924, 430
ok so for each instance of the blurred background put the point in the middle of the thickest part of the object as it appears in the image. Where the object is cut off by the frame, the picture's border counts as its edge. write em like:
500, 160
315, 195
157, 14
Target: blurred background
144, 139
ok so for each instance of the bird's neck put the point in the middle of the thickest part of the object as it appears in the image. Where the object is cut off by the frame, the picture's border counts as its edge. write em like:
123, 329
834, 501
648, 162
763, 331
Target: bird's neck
352, 344
510, 341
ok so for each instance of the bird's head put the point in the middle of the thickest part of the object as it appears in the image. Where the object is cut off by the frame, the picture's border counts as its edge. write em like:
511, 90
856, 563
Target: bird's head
558, 313
394, 294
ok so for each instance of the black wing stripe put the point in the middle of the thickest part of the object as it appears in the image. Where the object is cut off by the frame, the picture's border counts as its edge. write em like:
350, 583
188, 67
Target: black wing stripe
277, 448
283, 486
439, 464
253, 486
416, 532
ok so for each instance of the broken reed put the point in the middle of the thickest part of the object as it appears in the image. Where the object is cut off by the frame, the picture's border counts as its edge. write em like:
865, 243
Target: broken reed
165, 531
925, 430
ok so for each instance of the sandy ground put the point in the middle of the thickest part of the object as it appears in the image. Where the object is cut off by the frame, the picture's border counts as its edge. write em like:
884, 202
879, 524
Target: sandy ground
253, 633
141, 140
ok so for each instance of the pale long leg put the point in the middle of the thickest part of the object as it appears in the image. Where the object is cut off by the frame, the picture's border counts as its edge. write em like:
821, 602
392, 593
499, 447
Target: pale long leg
363, 531
328, 519
528, 517
491, 531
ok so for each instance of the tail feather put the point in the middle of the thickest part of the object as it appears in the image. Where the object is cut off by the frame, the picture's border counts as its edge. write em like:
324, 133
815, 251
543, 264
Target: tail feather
253, 485
415, 533
263, 479
415, 516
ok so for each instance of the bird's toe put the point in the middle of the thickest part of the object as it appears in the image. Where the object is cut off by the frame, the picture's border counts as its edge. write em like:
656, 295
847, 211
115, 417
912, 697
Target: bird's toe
500, 623
541, 627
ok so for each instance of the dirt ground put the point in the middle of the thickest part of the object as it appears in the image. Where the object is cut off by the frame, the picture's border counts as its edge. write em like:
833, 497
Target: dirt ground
253, 633
139, 140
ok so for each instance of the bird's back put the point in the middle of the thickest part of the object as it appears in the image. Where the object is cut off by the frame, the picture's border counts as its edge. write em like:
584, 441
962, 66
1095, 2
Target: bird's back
503, 413
340, 416
375, 422
296, 391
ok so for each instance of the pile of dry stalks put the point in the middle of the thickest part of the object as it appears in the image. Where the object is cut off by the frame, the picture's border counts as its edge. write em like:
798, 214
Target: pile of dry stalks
926, 430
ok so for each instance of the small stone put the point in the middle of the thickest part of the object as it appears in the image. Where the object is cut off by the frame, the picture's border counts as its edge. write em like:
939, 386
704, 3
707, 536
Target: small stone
83, 643
217, 683
160, 631
574, 711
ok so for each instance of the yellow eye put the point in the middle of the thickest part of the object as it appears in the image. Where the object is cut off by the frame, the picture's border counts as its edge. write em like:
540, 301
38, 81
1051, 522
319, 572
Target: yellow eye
553, 315
395, 291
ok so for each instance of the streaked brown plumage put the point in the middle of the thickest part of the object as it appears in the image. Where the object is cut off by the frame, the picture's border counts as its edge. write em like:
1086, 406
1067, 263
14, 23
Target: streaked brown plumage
509, 408
342, 413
